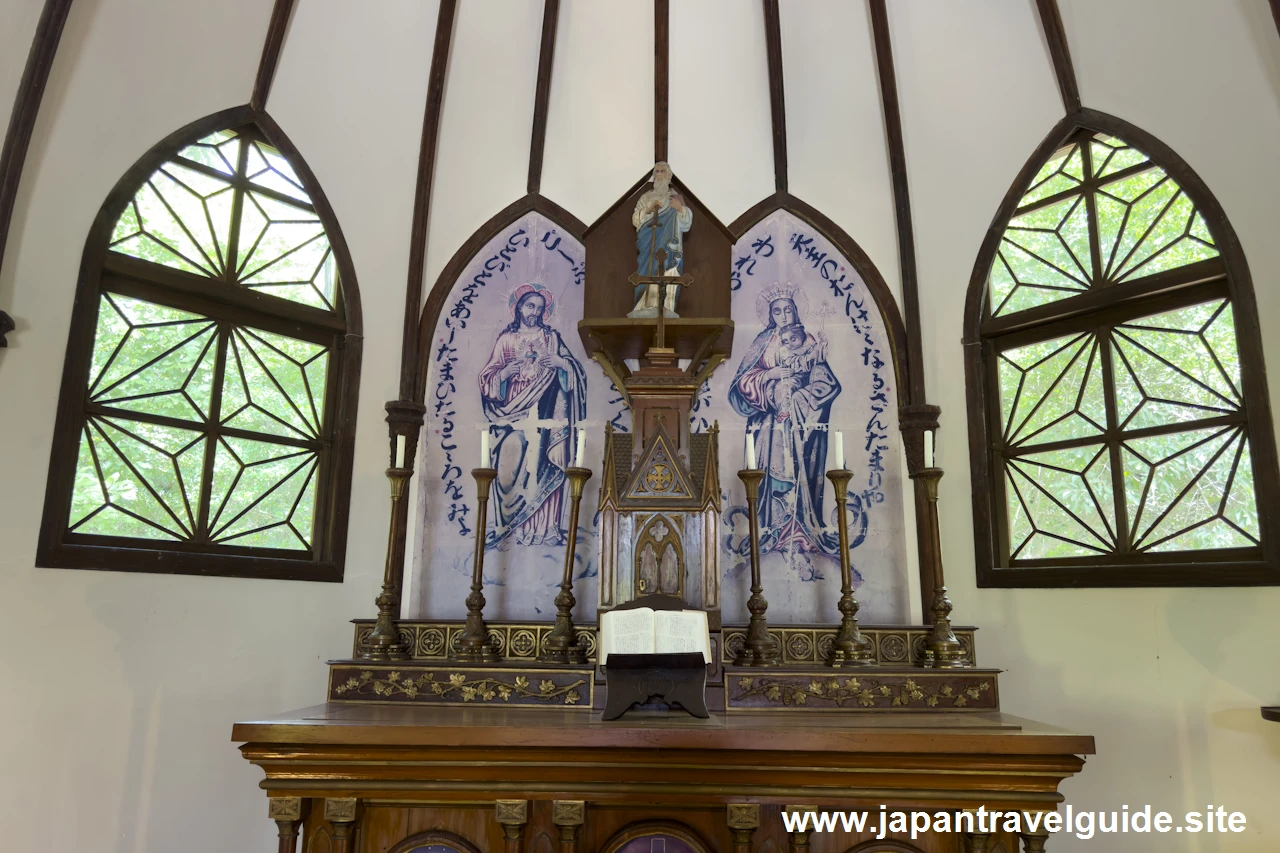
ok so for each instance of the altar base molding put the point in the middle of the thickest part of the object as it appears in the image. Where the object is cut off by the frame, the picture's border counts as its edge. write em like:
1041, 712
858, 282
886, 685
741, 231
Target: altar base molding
370, 779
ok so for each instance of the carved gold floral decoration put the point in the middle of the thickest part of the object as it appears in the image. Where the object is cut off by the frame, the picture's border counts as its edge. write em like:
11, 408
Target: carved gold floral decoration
866, 692
459, 686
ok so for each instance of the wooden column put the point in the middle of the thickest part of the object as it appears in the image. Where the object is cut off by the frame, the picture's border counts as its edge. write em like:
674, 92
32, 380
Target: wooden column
287, 813
341, 814
1033, 842
744, 819
512, 815
799, 840
568, 816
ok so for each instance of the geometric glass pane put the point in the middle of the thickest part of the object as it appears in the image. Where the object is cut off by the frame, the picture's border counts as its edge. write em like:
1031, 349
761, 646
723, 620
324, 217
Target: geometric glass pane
1190, 490
152, 358
1057, 235
147, 480
263, 494
1177, 366
1060, 503
1111, 155
1052, 391
211, 152
181, 217
268, 168
1063, 172
1147, 224
274, 384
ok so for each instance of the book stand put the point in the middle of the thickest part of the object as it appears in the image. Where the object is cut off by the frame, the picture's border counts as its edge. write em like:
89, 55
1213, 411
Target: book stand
675, 678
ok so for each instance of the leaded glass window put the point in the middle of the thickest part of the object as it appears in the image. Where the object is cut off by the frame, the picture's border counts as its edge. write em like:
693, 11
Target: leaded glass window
1116, 404
206, 391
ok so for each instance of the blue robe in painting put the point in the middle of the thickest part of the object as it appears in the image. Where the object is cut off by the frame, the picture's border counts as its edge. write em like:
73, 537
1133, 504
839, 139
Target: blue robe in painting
789, 424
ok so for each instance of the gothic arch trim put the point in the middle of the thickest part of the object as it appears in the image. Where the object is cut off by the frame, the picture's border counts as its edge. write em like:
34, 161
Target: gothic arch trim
531, 203
639, 829
435, 836
838, 237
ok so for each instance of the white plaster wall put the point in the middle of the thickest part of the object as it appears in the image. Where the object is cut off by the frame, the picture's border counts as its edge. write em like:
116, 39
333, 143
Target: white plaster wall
482, 163
1169, 681
720, 138
18, 19
837, 154
120, 690
600, 113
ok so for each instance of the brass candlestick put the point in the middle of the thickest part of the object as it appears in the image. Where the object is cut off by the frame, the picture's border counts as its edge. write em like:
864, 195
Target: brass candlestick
851, 648
943, 651
384, 643
474, 645
760, 648
561, 645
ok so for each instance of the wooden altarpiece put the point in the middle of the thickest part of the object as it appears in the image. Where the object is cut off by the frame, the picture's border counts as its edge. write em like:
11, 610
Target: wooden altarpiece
488, 736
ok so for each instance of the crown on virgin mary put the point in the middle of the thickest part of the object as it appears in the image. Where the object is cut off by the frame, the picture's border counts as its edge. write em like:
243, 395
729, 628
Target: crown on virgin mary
781, 291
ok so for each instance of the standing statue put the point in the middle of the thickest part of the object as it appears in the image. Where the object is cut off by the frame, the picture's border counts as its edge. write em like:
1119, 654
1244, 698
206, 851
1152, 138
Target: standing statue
661, 219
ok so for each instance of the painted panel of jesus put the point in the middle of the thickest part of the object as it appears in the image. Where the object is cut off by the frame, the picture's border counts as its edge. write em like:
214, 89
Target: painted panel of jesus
810, 357
506, 359
535, 394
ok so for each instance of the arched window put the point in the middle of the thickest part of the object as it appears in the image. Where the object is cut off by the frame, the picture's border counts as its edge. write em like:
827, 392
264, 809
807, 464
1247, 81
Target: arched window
209, 389
1119, 421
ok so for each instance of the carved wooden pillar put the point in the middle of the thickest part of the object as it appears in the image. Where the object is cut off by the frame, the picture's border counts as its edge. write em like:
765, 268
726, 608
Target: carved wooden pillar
1033, 842
799, 840
287, 813
512, 815
976, 842
568, 816
341, 814
743, 818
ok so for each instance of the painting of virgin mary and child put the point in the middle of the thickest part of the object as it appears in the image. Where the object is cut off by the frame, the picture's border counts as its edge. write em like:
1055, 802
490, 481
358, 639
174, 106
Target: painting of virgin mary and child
785, 389
534, 394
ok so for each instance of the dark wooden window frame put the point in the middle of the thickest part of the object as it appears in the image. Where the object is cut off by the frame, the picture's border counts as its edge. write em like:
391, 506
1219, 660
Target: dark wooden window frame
103, 271
1225, 276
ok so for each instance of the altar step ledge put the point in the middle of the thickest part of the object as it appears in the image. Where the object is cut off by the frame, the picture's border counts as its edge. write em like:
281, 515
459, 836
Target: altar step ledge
803, 683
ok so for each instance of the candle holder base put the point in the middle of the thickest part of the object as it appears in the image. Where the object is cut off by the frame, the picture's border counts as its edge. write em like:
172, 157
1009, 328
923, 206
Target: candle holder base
474, 646
943, 650
384, 642
562, 644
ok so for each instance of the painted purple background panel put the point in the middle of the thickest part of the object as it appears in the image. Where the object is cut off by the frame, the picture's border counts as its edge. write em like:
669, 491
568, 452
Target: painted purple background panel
506, 357
810, 357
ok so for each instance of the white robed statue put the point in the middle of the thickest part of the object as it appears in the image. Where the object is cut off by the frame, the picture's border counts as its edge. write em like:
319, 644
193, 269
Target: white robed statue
661, 219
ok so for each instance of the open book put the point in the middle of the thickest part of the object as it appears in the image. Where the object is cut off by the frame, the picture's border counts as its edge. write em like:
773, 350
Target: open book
647, 631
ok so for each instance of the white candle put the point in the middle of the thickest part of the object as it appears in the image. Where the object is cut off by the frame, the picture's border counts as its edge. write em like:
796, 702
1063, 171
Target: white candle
399, 451
839, 449
582, 448
928, 448
484, 448
751, 452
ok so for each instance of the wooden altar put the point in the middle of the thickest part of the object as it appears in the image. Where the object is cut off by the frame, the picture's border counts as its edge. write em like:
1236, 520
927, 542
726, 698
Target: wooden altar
367, 778
486, 735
